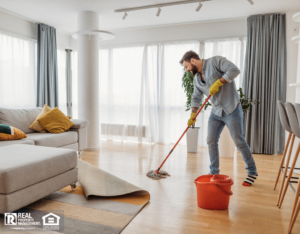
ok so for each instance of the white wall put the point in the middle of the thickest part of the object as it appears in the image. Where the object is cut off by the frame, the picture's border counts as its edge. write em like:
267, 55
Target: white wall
23, 27
292, 55
195, 31
292, 62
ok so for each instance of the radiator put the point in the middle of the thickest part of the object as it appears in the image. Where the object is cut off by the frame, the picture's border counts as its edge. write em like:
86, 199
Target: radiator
121, 130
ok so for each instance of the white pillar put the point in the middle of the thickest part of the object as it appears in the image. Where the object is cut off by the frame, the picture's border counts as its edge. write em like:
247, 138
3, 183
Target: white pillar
88, 76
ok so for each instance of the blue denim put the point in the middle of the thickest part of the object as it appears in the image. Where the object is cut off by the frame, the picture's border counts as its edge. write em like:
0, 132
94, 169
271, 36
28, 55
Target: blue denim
234, 122
227, 97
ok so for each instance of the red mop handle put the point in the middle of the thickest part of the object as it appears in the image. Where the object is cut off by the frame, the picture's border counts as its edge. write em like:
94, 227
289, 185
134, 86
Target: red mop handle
183, 133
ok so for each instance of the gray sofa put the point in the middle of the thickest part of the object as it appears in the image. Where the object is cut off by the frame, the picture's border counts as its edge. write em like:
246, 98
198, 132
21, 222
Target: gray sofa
75, 139
29, 173
42, 163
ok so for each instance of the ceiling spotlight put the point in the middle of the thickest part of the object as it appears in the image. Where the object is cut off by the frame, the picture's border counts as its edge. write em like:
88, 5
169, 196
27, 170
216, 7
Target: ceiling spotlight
158, 11
251, 2
200, 5
124, 15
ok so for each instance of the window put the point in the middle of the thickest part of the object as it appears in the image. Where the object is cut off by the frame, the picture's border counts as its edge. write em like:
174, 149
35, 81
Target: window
17, 72
140, 88
173, 117
233, 49
74, 85
62, 82
120, 89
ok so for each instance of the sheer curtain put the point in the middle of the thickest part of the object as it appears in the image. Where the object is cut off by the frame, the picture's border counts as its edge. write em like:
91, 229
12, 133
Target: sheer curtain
121, 92
151, 92
17, 72
172, 115
74, 85
62, 82
233, 49
141, 94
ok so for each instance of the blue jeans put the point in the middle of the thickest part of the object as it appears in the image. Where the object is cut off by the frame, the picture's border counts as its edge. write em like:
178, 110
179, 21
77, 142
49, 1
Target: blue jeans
234, 122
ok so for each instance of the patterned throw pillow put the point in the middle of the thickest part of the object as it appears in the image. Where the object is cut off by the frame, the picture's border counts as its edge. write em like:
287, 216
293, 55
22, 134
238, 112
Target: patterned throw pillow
10, 133
36, 125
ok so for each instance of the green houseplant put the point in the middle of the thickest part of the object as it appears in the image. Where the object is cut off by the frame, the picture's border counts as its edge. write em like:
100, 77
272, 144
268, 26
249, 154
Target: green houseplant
188, 85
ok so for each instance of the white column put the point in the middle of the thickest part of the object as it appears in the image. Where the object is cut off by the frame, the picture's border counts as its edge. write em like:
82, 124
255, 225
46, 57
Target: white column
88, 76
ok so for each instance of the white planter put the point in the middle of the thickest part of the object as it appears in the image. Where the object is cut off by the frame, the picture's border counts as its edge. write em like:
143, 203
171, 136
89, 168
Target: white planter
226, 144
193, 139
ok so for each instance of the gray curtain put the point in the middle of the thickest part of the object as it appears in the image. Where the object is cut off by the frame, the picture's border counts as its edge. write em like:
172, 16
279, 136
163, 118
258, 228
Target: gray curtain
265, 80
47, 75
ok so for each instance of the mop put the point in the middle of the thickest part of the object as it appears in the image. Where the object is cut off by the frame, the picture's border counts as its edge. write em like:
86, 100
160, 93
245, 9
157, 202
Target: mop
159, 174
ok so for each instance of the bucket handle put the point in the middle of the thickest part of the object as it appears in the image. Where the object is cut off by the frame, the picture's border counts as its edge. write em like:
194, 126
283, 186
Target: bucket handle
228, 193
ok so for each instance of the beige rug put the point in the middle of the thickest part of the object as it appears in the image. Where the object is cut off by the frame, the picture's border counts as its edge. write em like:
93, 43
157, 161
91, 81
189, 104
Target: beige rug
95, 181
103, 203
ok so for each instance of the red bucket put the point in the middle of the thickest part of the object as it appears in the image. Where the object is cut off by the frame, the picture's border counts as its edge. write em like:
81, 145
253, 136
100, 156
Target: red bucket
213, 191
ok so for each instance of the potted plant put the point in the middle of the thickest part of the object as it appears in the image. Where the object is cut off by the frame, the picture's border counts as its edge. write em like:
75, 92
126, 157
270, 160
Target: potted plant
226, 145
193, 134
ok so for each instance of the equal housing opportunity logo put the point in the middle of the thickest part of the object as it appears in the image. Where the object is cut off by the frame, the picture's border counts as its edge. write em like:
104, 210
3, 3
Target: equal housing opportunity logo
35, 220
51, 222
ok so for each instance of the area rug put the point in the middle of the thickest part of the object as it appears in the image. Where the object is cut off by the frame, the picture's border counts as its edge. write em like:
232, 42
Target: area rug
102, 203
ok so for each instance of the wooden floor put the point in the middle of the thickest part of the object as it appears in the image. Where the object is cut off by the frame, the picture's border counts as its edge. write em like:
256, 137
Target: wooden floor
172, 207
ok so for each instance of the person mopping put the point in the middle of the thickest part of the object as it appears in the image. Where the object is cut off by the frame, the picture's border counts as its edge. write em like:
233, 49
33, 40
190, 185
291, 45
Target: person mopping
215, 76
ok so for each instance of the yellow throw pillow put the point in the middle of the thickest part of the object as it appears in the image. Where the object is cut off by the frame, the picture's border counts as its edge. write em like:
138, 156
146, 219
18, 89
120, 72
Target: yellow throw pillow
55, 121
36, 125
10, 133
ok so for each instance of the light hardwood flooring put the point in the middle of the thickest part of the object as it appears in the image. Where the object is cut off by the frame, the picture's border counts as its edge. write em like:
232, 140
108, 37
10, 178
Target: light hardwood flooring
173, 208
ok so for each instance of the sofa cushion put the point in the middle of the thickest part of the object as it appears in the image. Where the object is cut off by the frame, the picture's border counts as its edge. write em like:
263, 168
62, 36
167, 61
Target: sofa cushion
52, 139
14, 142
25, 165
19, 118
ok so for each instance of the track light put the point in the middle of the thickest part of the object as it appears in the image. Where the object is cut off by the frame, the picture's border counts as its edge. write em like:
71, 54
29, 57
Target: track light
251, 2
124, 15
158, 11
159, 6
199, 7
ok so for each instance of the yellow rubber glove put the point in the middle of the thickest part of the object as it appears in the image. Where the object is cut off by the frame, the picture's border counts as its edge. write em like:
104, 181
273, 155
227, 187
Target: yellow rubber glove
191, 121
215, 87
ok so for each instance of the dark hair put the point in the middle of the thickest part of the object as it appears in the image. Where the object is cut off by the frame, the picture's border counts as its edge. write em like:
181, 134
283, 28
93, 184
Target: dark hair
188, 56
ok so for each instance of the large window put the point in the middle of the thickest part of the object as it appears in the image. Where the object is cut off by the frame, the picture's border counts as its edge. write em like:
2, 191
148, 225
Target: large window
74, 85
62, 82
17, 72
120, 90
233, 49
172, 116
141, 94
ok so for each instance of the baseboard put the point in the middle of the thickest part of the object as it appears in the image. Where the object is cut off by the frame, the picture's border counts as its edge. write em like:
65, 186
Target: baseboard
92, 149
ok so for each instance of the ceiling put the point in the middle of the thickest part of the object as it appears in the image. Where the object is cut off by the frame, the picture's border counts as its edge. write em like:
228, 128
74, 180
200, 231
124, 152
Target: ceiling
62, 14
